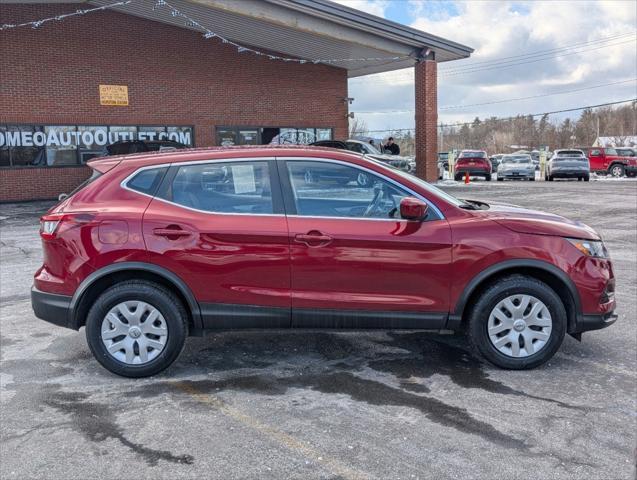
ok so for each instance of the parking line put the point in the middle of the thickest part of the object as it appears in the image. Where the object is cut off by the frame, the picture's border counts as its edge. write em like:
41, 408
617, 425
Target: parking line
334, 466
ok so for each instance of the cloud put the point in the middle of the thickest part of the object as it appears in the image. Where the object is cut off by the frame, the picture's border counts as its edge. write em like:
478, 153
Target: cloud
501, 29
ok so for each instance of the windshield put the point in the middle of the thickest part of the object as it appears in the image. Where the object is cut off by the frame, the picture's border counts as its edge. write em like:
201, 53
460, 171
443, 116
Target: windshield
517, 159
421, 183
473, 154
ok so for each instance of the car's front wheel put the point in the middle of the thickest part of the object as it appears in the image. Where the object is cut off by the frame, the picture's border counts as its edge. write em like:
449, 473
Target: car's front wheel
617, 170
136, 328
518, 323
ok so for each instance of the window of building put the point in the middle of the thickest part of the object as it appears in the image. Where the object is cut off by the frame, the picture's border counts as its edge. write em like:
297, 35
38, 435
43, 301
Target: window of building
55, 145
229, 136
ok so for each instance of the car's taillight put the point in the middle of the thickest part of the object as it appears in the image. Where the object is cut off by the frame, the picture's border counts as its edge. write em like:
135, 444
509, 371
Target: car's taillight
51, 224
48, 225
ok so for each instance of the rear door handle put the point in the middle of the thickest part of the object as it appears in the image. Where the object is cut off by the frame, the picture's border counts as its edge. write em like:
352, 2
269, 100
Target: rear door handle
313, 239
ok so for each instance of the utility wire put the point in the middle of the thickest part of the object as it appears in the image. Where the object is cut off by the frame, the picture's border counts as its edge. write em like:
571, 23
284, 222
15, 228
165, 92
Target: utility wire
495, 64
506, 118
539, 52
503, 101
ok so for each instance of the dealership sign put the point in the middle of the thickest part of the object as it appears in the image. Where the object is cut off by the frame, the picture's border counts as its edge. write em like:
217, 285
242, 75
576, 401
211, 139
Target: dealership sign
55, 137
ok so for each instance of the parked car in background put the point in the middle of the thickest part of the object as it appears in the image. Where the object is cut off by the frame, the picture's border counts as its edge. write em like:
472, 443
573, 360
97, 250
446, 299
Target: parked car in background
495, 161
516, 167
474, 162
125, 147
183, 243
626, 152
607, 161
407, 164
568, 163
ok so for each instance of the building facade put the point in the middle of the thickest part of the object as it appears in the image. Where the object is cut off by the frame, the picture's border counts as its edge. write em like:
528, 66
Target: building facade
71, 87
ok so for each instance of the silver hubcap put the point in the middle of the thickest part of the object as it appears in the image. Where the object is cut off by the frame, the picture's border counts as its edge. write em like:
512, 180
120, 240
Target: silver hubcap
519, 326
134, 332
617, 172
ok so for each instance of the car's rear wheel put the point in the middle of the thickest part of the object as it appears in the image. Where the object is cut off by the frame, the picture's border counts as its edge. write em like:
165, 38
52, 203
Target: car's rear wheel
136, 328
587, 178
550, 178
518, 323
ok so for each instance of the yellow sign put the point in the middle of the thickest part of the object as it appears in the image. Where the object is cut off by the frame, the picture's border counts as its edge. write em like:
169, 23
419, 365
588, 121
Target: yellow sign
114, 95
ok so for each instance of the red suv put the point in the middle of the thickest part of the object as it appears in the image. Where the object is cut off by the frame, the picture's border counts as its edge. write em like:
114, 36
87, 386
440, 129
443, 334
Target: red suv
161, 246
474, 162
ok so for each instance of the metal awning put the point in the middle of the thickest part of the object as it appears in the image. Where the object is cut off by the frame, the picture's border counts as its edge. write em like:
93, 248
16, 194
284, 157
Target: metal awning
304, 29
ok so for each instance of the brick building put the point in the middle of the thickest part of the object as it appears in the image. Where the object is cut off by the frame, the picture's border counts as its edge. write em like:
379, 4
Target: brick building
139, 71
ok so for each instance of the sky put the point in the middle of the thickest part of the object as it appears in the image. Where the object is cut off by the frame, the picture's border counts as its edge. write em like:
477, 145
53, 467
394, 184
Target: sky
591, 44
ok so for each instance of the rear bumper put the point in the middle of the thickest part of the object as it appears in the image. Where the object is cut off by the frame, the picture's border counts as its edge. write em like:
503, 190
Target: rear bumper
51, 307
587, 323
569, 173
473, 172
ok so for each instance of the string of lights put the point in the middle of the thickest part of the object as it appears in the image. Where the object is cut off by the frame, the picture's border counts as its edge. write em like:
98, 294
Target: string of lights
58, 18
207, 34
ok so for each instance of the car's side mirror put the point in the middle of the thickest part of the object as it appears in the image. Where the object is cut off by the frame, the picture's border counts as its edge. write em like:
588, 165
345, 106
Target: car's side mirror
412, 208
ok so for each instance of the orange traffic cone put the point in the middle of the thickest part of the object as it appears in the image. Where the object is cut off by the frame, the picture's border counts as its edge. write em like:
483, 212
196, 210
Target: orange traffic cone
466, 177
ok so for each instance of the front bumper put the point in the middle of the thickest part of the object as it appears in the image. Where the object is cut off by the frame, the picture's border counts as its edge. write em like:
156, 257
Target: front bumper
51, 307
630, 169
587, 323
514, 175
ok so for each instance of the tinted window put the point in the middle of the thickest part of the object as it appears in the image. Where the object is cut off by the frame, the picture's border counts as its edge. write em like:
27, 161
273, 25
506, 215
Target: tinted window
228, 187
473, 155
323, 189
610, 151
147, 181
355, 147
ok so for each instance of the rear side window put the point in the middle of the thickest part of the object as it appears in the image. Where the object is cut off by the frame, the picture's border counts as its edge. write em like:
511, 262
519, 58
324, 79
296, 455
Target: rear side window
224, 187
147, 181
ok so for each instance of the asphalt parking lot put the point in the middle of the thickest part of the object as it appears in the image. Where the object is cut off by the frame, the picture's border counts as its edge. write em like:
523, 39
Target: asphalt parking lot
395, 405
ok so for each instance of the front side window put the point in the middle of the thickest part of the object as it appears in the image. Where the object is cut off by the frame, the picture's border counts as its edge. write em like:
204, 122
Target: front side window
325, 189
224, 187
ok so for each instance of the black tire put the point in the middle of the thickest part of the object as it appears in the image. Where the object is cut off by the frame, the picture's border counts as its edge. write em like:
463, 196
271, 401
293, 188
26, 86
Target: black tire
587, 178
516, 284
488, 177
500, 179
616, 170
458, 177
550, 178
532, 179
579, 179
159, 297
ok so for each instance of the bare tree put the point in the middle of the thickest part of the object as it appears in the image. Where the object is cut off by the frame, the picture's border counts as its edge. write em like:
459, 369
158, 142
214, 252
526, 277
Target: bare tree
358, 128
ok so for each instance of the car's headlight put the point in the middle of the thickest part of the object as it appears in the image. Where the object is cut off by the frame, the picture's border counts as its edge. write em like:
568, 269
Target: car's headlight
590, 248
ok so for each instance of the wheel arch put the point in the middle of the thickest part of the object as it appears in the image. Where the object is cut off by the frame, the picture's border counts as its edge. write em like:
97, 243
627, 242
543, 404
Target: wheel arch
553, 276
110, 275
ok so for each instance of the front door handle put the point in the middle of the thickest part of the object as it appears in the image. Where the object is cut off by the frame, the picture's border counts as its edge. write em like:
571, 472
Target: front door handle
171, 233
313, 239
